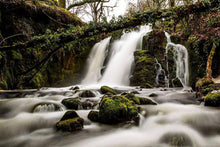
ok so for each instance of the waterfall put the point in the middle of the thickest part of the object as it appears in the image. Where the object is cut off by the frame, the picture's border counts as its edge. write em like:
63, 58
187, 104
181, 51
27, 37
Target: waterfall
119, 66
160, 72
181, 59
95, 62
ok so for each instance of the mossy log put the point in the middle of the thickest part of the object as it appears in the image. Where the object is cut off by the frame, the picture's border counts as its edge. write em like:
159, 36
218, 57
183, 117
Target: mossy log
176, 13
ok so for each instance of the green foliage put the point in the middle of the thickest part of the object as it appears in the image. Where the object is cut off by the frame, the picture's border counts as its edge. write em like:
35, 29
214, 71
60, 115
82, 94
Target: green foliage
212, 99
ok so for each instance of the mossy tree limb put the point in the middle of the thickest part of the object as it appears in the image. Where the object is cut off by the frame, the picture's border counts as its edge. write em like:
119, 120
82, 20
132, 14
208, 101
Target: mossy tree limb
138, 19
209, 62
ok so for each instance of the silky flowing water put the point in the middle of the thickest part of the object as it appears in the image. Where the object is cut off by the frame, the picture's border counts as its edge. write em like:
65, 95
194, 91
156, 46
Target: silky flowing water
177, 114
28, 117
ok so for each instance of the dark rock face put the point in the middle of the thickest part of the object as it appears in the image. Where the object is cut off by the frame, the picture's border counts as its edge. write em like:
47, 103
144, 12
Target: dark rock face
70, 122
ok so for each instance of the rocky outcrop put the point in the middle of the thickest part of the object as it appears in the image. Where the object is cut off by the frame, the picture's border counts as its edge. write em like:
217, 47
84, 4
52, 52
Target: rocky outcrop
212, 99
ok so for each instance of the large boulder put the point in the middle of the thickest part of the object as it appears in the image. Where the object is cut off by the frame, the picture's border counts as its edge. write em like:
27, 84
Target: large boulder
115, 110
70, 122
212, 99
107, 90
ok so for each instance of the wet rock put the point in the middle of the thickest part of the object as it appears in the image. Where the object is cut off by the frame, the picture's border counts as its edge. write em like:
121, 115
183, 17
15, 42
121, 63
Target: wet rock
117, 109
87, 93
71, 103
74, 88
176, 139
70, 122
135, 92
107, 90
212, 99
94, 116
46, 107
153, 95
139, 100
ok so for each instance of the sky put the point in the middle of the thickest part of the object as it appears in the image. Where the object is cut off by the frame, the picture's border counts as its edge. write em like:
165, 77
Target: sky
119, 10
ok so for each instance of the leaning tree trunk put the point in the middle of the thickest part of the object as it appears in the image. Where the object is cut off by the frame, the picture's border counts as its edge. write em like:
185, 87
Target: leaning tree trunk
209, 62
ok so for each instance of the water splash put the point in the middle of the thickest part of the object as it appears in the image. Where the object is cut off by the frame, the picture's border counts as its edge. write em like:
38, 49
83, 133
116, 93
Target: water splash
180, 56
160, 72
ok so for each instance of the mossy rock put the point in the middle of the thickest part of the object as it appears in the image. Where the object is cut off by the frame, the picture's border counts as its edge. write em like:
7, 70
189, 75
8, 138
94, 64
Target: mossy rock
70, 122
203, 87
212, 99
144, 66
107, 90
139, 100
71, 103
117, 109
176, 139
87, 93
94, 116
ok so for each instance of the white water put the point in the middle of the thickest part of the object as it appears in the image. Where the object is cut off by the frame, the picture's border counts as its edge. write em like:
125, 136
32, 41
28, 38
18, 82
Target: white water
95, 62
118, 69
160, 71
181, 59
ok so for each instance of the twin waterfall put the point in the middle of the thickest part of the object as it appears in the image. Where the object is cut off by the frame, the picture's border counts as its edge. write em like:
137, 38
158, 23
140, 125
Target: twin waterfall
116, 60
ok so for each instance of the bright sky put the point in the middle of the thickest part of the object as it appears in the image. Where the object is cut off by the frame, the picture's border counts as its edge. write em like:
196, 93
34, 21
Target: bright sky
121, 7
119, 10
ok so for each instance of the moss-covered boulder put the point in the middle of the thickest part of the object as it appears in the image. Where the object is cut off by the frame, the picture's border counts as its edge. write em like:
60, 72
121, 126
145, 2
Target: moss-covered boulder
212, 99
71, 103
70, 122
117, 109
107, 90
94, 116
139, 100
87, 93
203, 87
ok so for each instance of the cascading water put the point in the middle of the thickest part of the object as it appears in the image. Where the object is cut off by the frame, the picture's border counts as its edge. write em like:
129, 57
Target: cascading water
181, 59
119, 66
95, 62
160, 72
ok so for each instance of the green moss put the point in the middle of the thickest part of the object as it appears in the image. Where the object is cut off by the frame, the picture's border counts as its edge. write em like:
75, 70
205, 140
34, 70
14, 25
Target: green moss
116, 109
212, 99
106, 89
133, 98
94, 116
16, 55
143, 73
70, 125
